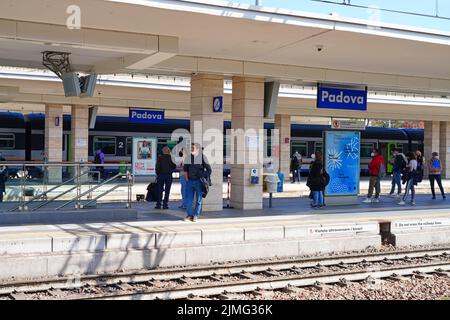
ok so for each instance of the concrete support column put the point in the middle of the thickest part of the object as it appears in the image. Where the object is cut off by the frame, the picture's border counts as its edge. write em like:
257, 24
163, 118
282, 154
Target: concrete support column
431, 140
80, 133
248, 118
444, 148
54, 140
203, 120
283, 125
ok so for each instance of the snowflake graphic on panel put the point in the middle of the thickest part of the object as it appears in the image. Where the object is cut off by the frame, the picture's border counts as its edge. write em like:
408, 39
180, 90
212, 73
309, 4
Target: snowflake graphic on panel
338, 187
352, 148
334, 159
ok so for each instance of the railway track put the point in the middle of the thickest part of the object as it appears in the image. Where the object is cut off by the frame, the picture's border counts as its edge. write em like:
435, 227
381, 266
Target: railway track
214, 281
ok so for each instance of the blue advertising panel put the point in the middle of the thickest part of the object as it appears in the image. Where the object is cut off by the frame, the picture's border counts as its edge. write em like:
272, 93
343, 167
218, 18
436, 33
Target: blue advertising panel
341, 156
345, 99
146, 116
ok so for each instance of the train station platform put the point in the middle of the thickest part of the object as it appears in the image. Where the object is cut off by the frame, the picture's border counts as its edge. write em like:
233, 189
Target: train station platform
160, 238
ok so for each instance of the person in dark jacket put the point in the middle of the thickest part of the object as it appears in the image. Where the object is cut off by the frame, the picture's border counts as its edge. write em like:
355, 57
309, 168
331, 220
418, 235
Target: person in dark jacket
195, 168
420, 165
315, 181
398, 164
3, 178
296, 166
164, 169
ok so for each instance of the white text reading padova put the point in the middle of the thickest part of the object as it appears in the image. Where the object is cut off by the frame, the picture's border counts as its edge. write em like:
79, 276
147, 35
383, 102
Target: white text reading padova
341, 98
146, 115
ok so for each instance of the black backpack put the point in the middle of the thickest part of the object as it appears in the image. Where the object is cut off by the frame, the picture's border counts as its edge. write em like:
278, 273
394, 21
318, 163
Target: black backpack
325, 178
152, 192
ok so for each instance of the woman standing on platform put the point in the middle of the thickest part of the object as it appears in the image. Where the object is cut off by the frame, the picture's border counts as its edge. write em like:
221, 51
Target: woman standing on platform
434, 169
315, 181
411, 179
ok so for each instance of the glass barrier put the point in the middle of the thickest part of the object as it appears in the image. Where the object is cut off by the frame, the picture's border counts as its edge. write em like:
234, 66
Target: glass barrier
35, 186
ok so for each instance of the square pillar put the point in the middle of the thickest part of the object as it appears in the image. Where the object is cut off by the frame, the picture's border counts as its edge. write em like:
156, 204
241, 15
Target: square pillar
283, 125
54, 140
79, 133
247, 122
431, 140
207, 130
444, 148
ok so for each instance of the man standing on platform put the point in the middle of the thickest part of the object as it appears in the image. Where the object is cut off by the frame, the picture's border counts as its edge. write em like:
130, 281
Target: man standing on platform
377, 169
164, 169
195, 168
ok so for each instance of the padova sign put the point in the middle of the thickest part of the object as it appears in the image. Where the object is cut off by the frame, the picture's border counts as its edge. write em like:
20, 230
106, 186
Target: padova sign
341, 98
146, 116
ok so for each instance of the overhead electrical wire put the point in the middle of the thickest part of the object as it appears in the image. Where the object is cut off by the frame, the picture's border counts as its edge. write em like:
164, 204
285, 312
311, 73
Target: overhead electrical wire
349, 4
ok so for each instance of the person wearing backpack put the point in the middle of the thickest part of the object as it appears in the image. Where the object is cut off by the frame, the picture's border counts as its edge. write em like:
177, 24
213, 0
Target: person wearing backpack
317, 181
420, 166
377, 169
411, 179
398, 165
434, 169
196, 169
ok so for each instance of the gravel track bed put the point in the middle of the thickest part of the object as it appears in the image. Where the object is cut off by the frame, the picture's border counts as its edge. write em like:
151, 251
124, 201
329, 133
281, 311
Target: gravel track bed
433, 288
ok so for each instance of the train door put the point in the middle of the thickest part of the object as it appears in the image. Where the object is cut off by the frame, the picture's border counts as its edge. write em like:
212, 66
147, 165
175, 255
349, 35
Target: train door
389, 150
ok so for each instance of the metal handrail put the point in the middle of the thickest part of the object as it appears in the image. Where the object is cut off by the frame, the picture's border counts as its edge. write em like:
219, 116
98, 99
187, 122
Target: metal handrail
54, 188
50, 201
63, 164
78, 197
102, 195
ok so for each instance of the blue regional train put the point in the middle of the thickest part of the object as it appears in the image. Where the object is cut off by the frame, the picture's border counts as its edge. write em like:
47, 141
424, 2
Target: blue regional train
22, 138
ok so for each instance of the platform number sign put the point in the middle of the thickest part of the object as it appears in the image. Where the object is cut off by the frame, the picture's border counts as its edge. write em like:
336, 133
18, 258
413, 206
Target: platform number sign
218, 104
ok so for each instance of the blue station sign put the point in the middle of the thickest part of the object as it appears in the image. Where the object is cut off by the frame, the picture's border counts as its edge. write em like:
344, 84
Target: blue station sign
146, 116
344, 99
218, 104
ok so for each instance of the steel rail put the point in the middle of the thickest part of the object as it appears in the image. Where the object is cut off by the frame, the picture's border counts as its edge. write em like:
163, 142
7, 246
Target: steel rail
243, 286
204, 271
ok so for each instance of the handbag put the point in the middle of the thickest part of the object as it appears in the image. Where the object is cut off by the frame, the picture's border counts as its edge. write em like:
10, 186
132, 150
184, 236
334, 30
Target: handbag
205, 186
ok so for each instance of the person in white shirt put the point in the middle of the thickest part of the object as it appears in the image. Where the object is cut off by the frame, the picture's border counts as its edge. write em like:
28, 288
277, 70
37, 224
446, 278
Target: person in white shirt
411, 179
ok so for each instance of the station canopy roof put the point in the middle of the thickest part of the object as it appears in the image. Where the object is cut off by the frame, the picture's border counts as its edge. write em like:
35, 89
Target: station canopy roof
184, 37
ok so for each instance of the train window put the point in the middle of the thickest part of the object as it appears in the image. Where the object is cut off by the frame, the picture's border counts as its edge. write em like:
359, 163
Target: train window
366, 149
318, 147
129, 146
301, 147
7, 141
107, 144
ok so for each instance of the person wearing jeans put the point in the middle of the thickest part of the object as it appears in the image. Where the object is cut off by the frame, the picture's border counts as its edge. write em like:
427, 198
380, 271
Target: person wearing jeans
315, 181
397, 163
434, 169
411, 180
196, 168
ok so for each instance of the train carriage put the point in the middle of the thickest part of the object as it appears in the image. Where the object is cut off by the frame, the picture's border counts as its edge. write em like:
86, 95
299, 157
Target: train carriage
22, 138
